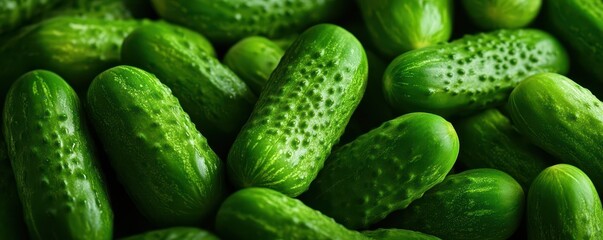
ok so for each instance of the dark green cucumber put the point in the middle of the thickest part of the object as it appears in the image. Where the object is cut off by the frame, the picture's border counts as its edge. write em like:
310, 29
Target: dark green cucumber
563, 204
580, 24
103, 9
174, 233
75, 48
399, 26
54, 160
164, 163
229, 21
497, 14
490, 141
563, 118
384, 170
484, 204
301, 113
13, 13
254, 59
470, 74
398, 234
262, 213
12, 225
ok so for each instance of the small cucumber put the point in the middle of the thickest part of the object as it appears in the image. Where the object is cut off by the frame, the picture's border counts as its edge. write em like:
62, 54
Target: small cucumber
563, 204
470, 74
497, 14
397, 26
384, 170
480, 204
12, 225
54, 160
301, 113
490, 141
174, 233
398, 234
562, 118
13, 13
164, 163
254, 59
262, 213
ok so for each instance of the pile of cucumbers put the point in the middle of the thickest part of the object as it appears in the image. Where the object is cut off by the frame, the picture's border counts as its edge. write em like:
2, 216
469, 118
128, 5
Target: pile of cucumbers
301, 119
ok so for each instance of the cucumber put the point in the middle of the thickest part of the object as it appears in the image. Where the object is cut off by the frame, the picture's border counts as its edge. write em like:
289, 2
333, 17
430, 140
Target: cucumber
301, 113
174, 233
490, 141
563, 204
397, 234
399, 26
103, 9
229, 21
54, 160
13, 13
12, 225
254, 59
475, 204
164, 163
262, 213
553, 112
497, 14
580, 24
384, 170
215, 98
75, 48
470, 74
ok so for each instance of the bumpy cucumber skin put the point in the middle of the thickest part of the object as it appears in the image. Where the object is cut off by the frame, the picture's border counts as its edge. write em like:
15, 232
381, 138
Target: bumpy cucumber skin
53, 158
103, 9
226, 21
301, 113
164, 163
563, 118
470, 74
384, 170
474, 204
580, 24
400, 26
14, 12
174, 233
215, 98
490, 141
262, 213
497, 14
12, 225
563, 204
254, 59
397, 234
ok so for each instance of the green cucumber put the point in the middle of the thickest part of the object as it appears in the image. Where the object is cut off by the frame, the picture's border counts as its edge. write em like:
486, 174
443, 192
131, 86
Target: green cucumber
262, 213
12, 225
384, 170
54, 160
164, 163
104, 9
497, 14
13, 13
229, 21
470, 74
399, 26
254, 59
580, 24
398, 234
563, 204
484, 204
301, 113
490, 141
174, 233
563, 118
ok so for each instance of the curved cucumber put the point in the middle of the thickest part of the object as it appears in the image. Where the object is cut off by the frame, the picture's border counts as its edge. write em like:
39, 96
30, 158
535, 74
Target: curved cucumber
554, 112
399, 26
301, 113
398, 234
12, 225
384, 170
262, 213
174, 233
15, 12
54, 160
472, 73
496, 14
164, 163
563, 204
490, 141
474, 204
